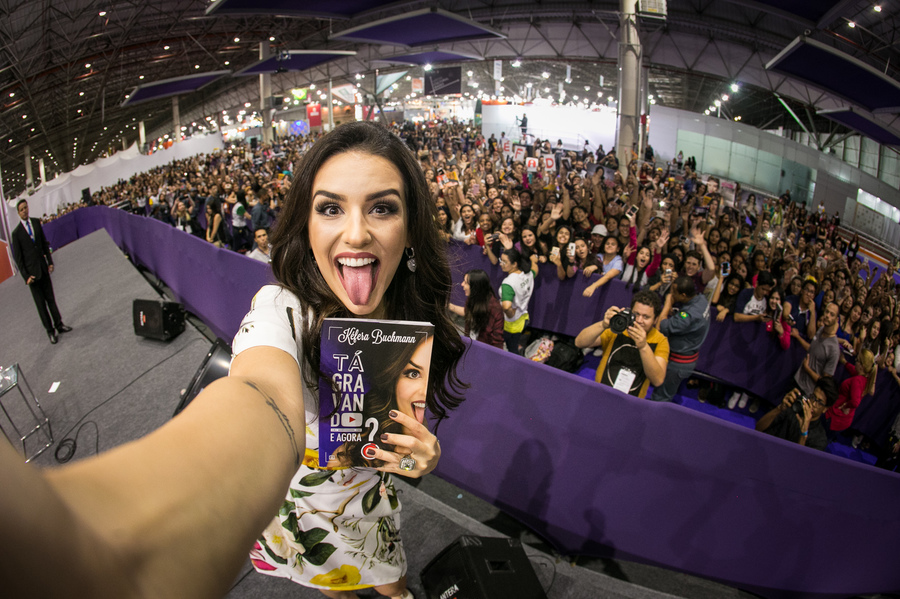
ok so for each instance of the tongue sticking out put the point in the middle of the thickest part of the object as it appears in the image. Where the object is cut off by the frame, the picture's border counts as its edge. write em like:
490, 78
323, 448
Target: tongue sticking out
419, 413
358, 282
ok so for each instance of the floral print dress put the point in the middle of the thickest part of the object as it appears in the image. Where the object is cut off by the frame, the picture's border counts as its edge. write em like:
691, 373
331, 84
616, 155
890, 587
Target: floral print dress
337, 529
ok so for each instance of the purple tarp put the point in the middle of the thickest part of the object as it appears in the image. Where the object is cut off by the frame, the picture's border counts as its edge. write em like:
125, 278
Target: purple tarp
597, 472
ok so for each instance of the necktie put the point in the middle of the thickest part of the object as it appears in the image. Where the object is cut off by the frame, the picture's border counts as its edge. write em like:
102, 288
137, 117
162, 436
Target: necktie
30, 232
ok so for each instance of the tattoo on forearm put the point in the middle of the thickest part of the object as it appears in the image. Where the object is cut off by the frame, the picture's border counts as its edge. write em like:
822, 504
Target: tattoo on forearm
281, 417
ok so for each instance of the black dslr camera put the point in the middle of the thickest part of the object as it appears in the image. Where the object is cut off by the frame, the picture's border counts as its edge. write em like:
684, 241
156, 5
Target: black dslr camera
797, 406
621, 320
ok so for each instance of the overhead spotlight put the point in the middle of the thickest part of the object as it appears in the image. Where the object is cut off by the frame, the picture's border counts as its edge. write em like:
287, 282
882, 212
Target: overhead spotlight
165, 47
610, 98
717, 103
196, 66
312, 86
87, 65
851, 24
517, 63
12, 94
587, 88
237, 39
427, 67
724, 97
141, 77
734, 87
877, 8
706, 112
103, 13
271, 38
528, 85
227, 62
469, 73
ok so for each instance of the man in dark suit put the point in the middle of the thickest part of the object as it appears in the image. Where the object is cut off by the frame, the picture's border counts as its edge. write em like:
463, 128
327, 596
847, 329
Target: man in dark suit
32, 254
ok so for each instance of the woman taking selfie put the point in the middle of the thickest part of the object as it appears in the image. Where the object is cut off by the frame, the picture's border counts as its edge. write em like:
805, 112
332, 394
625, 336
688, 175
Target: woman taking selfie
355, 238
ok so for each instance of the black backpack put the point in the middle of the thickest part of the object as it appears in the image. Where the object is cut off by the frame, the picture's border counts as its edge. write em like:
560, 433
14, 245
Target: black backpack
565, 356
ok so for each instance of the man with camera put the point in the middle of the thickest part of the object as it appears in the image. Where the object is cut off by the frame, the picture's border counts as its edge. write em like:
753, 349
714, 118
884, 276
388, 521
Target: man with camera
635, 353
798, 418
686, 328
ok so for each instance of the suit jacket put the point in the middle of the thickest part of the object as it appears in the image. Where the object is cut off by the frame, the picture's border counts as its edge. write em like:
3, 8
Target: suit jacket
32, 257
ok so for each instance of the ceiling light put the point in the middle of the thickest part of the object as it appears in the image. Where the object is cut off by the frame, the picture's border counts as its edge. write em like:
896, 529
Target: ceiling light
468, 73
237, 39
87, 65
227, 62
12, 94
851, 24
517, 63
102, 13
196, 66
165, 47
141, 77
610, 98
706, 112
734, 87
545, 75
724, 97
877, 8
427, 67
271, 38
587, 88
24, 116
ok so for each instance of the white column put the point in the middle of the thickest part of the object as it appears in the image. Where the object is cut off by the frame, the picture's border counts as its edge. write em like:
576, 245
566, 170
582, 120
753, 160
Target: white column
176, 118
142, 137
29, 179
629, 83
42, 171
265, 93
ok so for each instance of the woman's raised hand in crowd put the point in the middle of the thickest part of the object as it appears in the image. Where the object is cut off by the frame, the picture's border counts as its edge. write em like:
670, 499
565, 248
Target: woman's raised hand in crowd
629, 249
662, 240
505, 241
697, 236
516, 203
556, 212
419, 444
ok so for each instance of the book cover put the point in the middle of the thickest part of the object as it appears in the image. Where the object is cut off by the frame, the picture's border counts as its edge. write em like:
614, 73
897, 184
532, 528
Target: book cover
375, 366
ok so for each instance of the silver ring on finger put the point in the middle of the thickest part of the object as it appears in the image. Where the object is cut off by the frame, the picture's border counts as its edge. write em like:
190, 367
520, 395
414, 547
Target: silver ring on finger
407, 463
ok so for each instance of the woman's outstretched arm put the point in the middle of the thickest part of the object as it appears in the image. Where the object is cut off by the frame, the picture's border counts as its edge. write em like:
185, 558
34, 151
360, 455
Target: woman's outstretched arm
172, 514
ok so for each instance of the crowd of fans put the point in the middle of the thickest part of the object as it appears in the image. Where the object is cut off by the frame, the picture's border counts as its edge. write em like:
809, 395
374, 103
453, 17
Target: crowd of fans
752, 259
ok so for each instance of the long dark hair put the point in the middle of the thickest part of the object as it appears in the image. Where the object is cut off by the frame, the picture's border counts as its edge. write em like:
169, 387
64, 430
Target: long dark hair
420, 296
478, 303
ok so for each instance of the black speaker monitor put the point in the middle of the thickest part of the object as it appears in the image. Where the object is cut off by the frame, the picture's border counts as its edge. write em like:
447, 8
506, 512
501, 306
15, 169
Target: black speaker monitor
215, 366
86, 195
158, 319
482, 568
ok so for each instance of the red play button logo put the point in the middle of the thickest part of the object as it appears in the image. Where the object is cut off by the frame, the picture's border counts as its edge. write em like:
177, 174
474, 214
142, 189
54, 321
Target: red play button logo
354, 419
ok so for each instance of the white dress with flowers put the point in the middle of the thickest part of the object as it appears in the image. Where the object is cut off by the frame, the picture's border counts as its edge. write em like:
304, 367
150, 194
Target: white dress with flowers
337, 529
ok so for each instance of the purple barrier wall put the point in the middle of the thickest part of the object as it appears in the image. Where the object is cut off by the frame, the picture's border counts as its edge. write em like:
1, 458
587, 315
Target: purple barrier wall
215, 284
598, 472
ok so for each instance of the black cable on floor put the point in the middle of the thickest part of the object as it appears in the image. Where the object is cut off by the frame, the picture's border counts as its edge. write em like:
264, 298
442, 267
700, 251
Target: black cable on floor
552, 565
107, 400
65, 451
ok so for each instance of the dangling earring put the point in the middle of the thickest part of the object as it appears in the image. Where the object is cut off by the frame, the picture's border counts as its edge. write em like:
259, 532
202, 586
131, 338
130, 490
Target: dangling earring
411, 263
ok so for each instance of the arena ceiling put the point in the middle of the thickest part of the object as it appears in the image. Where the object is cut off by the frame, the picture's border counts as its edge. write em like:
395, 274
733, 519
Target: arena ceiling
67, 66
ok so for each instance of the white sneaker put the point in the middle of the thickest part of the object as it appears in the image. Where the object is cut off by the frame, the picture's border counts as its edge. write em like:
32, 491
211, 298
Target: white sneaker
732, 401
744, 399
